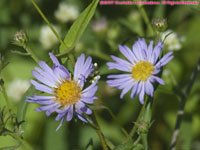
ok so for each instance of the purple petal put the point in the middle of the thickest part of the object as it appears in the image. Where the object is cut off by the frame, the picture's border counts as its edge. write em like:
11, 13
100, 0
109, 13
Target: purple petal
141, 95
156, 52
61, 122
122, 62
112, 65
150, 49
126, 87
43, 79
119, 76
70, 113
41, 87
54, 59
91, 92
134, 90
157, 79
48, 107
138, 49
88, 100
42, 102
39, 97
165, 59
127, 53
78, 66
149, 88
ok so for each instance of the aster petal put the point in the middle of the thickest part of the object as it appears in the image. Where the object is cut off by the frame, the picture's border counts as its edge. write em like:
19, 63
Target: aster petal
46, 75
61, 122
48, 107
81, 118
139, 48
122, 62
112, 65
156, 70
149, 88
119, 81
127, 53
134, 89
89, 87
118, 76
54, 59
156, 52
78, 66
90, 92
50, 111
39, 97
157, 79
82, 69
88, 100
43, 79
70, 113
61, 74
42, 102
141, 95
41, 87
126, 87
61, 113
150, 49
165, 59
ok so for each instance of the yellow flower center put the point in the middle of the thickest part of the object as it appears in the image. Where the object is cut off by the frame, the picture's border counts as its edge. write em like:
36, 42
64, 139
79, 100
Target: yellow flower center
68, 93
142, 70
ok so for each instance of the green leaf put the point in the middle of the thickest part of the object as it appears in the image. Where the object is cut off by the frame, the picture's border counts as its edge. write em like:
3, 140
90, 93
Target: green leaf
23, 105
125, 146
77, 28
90, 145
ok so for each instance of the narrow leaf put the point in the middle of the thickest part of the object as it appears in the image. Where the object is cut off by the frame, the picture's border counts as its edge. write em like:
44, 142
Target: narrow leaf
77, 28
23, 105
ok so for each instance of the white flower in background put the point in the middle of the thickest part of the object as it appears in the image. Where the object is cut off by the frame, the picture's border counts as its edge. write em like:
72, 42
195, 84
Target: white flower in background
17, 88
66, 12
47, 37
100, 25
172, 41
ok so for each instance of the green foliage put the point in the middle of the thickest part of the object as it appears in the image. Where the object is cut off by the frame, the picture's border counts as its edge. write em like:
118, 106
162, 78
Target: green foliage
78, 27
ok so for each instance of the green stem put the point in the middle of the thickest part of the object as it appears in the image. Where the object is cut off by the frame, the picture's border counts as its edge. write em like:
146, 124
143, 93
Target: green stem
52, 29
115, 118
23, 142
137, 121
180, 112
6, 98
137, 141
30, 52
99, 133
144, 140
146, 18
48, 23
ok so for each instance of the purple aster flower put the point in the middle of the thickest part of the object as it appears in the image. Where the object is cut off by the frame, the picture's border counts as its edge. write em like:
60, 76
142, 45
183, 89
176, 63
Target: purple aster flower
66, 95
142, 67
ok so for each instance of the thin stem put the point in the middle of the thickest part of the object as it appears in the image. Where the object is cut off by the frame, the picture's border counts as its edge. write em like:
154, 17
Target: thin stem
146, 18
23, 142
137, 121
115, 118
53, 30
6, 98
48, 23
99, 133
137, 141
30, 52
180, 112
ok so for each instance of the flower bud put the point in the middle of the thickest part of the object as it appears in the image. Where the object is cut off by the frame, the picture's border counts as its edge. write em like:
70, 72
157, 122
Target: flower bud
159, 24
143, 127
20, 38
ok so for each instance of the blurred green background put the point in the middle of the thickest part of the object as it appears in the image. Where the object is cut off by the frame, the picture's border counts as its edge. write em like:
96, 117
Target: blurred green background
110, 26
